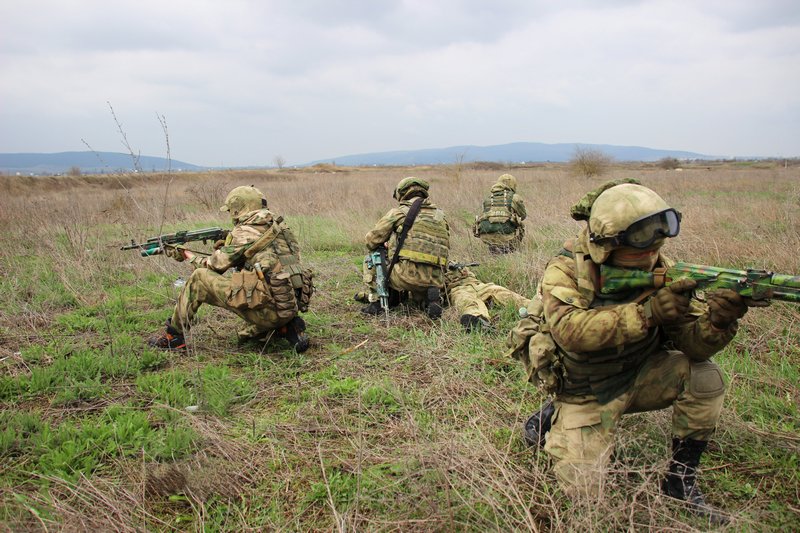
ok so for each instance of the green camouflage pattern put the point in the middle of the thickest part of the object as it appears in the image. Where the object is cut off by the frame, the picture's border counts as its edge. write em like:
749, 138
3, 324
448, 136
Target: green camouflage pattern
750, 283
581, 439
428, 240
582, 210
155, 245
470, 296
409, 184
206, 285
429, 236
589, 332
500, 221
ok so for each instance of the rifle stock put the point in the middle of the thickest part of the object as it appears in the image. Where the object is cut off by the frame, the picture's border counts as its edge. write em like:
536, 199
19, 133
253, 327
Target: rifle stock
377, 260
155, 245
751, 283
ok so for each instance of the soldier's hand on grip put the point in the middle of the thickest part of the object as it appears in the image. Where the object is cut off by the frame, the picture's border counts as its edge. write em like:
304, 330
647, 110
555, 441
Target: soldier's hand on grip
725, 307
219, 244
175, 252
670, 304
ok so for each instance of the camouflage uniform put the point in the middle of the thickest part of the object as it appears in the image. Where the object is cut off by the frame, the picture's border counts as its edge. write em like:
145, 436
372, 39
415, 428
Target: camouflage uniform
605, 356
614, 364
206, 285
472, 297
500, 224
423, 257
268, 288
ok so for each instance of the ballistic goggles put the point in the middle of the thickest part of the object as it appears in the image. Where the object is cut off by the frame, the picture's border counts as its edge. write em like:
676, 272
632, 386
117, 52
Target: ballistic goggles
644, 231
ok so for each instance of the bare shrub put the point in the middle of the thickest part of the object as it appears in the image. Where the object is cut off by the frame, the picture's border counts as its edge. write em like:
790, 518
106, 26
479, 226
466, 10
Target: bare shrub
669, 163
209, 193
589, 162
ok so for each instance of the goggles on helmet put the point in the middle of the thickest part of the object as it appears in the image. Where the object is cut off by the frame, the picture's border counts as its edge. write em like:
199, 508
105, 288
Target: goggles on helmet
644, 231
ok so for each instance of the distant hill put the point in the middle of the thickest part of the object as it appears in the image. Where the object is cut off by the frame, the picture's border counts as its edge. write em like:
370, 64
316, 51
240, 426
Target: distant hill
528, 152
88, 162
506, 153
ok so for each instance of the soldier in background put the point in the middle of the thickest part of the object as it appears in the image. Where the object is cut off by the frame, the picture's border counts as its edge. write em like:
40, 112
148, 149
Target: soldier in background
500, 224
473, 298
416, 268
269, 288
602, 357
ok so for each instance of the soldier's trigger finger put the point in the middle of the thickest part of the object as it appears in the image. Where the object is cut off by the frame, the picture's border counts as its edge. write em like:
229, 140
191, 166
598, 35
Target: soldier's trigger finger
727, 301
219, 244
749, 302
683, 285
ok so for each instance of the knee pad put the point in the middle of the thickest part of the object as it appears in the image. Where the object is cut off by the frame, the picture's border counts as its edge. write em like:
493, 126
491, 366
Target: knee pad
706, 380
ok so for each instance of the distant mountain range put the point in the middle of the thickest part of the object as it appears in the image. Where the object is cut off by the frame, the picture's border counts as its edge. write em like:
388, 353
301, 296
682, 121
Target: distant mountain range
527, 152
87, 162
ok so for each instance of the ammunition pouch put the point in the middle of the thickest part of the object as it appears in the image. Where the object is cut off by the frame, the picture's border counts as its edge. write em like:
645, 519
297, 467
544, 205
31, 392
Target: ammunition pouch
280, 284
247, 291
531, 343
303, 293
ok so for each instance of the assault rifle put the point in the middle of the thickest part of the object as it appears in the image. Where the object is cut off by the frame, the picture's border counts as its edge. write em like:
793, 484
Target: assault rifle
155, 245
751, 283
377, 261
452, 265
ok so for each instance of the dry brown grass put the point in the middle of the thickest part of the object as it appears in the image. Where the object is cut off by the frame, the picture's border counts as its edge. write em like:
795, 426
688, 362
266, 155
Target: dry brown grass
453, 439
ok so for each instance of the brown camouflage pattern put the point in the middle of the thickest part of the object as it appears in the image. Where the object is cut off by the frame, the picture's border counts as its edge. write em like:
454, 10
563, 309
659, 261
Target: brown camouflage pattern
582, 437
429, 234
470, 296
206, 285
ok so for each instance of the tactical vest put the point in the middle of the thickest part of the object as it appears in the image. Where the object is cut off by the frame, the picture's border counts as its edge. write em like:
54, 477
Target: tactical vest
498, 214
606, 373
428, 240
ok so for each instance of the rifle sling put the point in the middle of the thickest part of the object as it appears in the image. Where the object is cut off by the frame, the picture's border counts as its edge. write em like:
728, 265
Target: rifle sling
265, 240
413, 211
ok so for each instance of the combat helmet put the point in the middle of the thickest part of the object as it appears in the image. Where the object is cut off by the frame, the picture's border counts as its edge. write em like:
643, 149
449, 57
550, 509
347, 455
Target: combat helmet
509, 181
629, 214
410, 185
243, 199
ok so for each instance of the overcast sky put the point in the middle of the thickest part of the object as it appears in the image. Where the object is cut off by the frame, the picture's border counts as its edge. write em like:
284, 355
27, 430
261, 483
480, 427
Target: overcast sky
239, 82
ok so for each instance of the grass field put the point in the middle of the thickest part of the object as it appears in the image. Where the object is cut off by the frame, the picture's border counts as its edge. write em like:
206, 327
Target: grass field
405, 425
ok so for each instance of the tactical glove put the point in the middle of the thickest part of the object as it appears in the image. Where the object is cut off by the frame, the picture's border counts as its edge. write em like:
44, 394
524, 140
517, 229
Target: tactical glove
219, 244
725, 307
669, 304
175, 252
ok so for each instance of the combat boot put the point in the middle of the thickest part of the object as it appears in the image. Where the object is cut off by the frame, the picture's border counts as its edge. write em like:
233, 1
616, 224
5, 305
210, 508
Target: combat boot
539, 423
680, 481
361, 296
434, 303
373, 309
474, 323
294, 332
171, 339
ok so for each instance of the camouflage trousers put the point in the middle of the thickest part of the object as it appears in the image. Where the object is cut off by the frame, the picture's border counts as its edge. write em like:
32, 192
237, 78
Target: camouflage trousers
581, 439
503, 242
475, 298
205, 286
415, 278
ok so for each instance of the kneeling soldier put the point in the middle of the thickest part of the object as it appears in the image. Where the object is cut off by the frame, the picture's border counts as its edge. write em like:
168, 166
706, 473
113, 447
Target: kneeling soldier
269, 288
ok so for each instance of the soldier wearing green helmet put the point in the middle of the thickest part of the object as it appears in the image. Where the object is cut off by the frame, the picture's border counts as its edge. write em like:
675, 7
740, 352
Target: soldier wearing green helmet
267, 290
417, 266
500, 223
602, 357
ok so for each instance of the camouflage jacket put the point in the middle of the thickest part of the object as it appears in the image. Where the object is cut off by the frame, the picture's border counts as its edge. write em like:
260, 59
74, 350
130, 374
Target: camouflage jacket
282, 251
603, 343
428, 240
